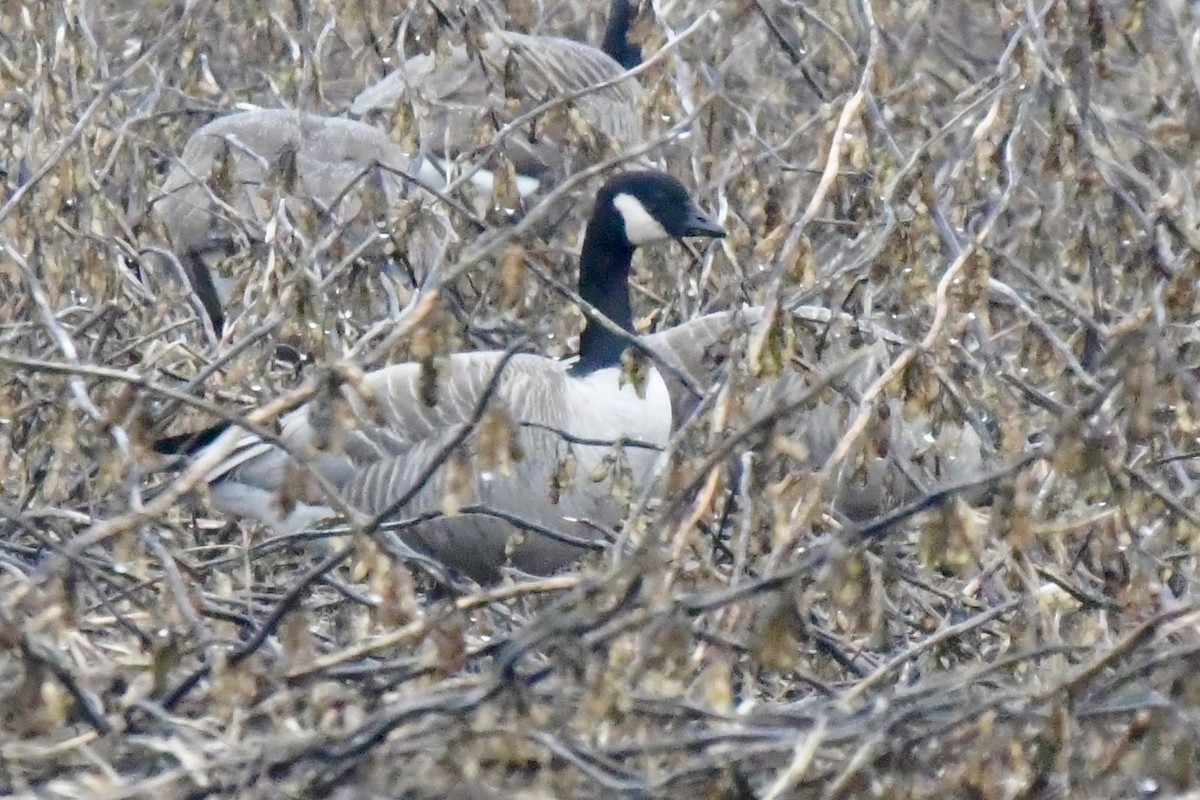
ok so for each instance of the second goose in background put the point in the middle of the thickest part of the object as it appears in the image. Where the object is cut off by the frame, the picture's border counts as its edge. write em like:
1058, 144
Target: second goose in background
220, 191
912, 452
455, 92
550, 450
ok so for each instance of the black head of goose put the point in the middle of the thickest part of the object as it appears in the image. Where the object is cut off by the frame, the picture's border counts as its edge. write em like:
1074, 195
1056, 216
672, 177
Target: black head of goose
452, 93
528, 510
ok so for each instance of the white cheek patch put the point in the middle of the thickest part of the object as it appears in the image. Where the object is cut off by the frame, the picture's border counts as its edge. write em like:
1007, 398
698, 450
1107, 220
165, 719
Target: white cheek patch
640, 226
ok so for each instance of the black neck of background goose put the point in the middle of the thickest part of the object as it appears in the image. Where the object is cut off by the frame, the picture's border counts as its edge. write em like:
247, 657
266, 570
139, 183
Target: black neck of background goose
616, 36
604, 265
202, 285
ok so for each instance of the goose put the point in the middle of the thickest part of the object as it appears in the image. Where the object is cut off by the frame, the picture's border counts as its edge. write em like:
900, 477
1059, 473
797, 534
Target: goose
916, 454
453, 93
561, 414
221, 181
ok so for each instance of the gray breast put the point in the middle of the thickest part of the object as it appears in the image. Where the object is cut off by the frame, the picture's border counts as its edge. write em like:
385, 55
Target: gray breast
523, 487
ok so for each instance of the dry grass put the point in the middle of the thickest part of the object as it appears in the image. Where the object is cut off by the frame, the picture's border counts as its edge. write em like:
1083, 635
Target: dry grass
1008, 187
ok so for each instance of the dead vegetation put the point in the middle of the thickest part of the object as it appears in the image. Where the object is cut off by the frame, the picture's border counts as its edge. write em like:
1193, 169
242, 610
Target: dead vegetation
1008, 189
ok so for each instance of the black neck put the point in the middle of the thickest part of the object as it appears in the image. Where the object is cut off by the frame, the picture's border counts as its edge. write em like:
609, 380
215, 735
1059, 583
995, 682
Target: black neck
604, 282
202, 285
616, 37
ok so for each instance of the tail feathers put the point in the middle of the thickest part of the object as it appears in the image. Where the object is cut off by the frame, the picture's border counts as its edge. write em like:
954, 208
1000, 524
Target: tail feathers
242, 495
179, 449
187, 444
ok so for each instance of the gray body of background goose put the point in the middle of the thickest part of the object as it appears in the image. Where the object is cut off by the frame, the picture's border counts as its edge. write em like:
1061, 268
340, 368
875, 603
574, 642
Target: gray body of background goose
455, 93
917, 455
211, 200
395, 436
